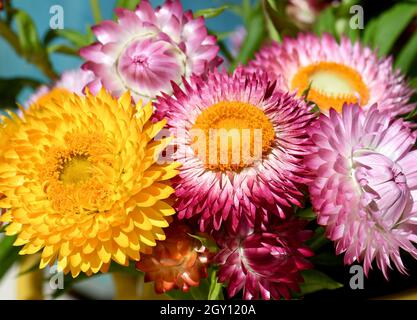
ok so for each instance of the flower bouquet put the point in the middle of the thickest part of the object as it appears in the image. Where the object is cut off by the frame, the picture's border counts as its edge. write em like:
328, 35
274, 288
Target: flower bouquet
272, 162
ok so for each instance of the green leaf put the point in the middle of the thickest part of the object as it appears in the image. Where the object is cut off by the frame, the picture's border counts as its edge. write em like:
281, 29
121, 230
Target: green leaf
9, 254
220, 35
6, 244
413, 83
209, 289
26, 32
274, 5
326, 22
10, 89
306, 213
95, 10
272, 31
318, 240
327, 259
209, 243
371, 29
30, 269
277, 21
211, 12
179, 295
391, 24
128, 4
60, 48
407, 55
216, 288
315, 281
26, 43
254, 38
200, 292
131, 268
7, 33
78, 39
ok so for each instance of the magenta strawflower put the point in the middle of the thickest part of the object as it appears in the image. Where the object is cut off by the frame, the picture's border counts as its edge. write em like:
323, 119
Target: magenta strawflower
241, 144
265, 264
365, 185
335, 73
147, 48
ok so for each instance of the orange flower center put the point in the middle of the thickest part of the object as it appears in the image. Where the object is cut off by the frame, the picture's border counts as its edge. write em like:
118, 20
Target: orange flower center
75, 175
331, 85
232, 135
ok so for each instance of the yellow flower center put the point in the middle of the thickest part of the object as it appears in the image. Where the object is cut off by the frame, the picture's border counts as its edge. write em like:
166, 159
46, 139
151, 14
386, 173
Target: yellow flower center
232, 135
74, 174
331, 85
77, 170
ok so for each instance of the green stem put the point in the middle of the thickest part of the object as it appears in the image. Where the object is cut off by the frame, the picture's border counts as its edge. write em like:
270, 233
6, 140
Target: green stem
46, 67
225, 51
95, 8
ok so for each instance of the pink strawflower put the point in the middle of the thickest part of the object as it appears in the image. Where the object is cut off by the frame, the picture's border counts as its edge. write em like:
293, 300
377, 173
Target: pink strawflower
71, 80
236, 39
365, 185
338, 73
147, 48
265, 264
221, 189
75, 80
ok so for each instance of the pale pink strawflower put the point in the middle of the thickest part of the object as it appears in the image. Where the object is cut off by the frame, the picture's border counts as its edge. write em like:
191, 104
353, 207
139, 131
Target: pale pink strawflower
236, 39
147, 49
74, 80
338, 73
305, 12
236, 190
365, 185
265, 264
71, 80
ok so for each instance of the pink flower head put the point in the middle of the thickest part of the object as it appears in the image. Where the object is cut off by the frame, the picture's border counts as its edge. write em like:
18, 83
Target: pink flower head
365, 185
221, 108
236, 39
71, 80
335, 73
147, 49
264, 264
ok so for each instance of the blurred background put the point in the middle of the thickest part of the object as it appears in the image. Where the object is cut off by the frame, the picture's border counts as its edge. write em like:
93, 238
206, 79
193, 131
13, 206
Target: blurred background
78, 16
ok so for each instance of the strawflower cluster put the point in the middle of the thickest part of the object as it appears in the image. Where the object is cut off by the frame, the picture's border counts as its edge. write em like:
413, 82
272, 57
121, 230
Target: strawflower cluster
150, 148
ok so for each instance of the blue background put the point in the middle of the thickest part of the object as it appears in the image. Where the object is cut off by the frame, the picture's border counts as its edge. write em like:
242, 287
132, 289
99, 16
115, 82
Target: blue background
77, 15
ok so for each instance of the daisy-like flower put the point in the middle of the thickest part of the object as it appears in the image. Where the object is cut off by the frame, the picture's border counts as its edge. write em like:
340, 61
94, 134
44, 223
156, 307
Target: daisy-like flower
81, 181
179, 262
147, 49
70, 81
365, 188
335, 73
266, 263
241, 143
